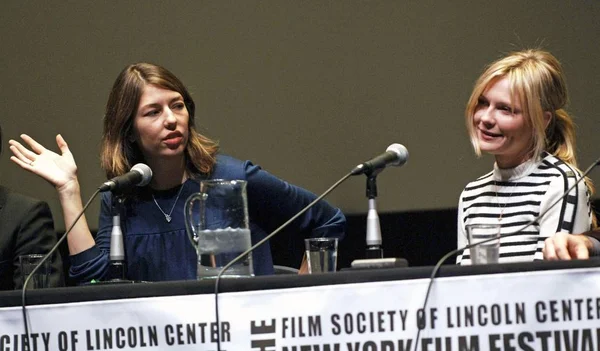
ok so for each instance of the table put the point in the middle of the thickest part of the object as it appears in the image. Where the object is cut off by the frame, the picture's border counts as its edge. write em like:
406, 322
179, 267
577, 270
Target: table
523, 306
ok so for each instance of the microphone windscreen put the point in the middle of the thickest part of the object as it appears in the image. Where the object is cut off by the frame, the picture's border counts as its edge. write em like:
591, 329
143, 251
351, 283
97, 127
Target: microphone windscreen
145, 171
402, 153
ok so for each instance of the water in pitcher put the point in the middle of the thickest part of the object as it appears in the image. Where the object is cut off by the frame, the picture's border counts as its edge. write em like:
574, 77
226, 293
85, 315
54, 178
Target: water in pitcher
218, 247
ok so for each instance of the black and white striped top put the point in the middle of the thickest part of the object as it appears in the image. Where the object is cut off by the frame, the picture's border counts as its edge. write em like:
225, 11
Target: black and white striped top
517, 196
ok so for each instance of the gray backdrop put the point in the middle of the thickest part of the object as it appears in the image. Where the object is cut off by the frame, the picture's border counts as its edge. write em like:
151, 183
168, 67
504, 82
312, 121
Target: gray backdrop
306, 89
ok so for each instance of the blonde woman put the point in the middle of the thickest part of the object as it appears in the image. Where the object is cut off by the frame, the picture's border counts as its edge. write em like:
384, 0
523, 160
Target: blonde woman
516, 113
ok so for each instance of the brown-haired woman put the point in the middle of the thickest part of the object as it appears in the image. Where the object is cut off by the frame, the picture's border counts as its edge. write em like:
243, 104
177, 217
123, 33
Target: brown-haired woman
150, 119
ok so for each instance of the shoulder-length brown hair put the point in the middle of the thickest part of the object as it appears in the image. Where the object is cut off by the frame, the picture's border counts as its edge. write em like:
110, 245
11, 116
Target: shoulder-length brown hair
118, 151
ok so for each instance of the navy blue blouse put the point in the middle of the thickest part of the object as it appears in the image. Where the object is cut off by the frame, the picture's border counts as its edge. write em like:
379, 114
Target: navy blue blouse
156, 250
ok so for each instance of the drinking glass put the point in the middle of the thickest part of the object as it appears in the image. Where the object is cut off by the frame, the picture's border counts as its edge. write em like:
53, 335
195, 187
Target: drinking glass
27, 263
321, 254
487, 240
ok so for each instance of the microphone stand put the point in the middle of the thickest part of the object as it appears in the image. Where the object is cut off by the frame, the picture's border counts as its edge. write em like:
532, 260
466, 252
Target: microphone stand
374, 249
117, 269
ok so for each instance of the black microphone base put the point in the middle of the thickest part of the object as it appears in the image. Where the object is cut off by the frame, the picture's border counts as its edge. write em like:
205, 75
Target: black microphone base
116, 271
123, 281
114, 281
119, 281
374, 251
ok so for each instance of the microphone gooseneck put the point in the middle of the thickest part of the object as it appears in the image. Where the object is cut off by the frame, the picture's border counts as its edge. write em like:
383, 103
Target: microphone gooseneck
139, 175
394, 155
44, 259
243, 254
439, 264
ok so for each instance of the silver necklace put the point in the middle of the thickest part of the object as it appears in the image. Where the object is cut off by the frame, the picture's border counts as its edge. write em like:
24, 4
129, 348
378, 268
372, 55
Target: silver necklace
168, 217
503, 205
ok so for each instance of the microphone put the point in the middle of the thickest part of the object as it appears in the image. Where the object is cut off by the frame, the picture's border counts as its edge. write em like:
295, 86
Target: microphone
139, 175
394, 155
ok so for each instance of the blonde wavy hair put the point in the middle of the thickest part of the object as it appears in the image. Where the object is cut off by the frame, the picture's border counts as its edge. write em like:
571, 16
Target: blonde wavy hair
537, 80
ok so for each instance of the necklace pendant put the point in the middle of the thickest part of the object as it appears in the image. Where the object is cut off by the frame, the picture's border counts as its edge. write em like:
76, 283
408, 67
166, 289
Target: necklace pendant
168, 216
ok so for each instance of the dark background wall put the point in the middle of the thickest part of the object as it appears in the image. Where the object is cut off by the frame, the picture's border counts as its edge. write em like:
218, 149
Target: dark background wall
305, 89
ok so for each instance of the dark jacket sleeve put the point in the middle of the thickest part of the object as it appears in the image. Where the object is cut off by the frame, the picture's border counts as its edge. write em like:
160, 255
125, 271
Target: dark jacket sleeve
595, 237
29, 229
274, 201
594, 234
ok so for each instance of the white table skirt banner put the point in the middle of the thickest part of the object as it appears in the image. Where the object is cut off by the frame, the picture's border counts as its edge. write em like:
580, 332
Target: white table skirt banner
542, 310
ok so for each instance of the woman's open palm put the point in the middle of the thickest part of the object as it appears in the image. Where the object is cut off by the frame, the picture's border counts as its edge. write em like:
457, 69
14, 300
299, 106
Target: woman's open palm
59, 170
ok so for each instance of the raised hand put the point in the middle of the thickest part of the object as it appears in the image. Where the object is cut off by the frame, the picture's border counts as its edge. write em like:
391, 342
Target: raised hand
59, 170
